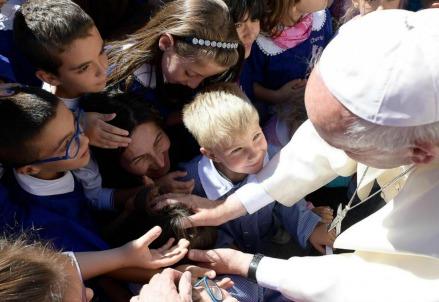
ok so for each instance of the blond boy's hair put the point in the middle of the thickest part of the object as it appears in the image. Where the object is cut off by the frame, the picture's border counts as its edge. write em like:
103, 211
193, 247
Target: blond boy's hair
218, 114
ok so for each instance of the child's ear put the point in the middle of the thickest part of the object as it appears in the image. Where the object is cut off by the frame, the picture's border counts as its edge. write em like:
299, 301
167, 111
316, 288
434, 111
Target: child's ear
28, 170
206, 152
423, 152
47, 77
165, 42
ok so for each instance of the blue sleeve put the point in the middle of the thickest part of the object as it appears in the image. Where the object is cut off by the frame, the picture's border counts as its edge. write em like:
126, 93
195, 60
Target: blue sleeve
328, 29
6, 73
10, 212
298, 220
191, 167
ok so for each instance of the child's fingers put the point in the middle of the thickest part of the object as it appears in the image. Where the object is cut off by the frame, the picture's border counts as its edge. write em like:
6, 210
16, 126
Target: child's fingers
166, 246
150, 236
176, 174
225, 283
110, 138
112, 129
172, 258
319, 248
184, 186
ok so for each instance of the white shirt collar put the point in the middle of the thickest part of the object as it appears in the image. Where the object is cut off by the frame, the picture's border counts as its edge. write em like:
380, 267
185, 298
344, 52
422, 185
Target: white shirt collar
72, 104
214, 184
42, 187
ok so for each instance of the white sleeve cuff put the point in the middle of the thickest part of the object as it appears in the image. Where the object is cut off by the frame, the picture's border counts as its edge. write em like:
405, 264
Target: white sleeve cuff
253, 196
268, 272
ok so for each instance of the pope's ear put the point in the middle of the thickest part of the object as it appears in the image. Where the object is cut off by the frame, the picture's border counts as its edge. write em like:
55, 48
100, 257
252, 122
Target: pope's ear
423, 152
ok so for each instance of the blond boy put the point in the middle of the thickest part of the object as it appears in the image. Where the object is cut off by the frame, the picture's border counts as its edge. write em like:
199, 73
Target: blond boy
233, 148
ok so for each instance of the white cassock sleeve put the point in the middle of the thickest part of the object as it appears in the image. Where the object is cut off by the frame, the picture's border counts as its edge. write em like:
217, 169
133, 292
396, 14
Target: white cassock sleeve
305, 164
353, 277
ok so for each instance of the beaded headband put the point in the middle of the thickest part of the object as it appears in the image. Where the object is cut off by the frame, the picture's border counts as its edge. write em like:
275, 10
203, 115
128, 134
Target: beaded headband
208, 43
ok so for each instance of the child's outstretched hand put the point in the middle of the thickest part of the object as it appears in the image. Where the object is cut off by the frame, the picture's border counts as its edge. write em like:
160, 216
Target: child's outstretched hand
320, 237
102, 134
326, 213
170, 184
138, 254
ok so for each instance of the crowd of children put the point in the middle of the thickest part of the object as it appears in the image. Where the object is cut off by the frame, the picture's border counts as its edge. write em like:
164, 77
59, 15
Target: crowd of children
185, 96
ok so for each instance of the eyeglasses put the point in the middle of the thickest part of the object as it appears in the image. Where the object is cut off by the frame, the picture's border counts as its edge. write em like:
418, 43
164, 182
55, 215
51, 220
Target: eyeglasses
213, 290
72, 147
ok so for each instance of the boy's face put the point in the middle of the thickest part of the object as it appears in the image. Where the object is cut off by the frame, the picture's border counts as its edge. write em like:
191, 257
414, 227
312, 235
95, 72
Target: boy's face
246, 152
147, 154
52, 142
84, 66
248, 30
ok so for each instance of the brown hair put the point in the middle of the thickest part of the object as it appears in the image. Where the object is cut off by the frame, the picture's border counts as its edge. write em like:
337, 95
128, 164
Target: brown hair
276, 10
204, 19
31, 272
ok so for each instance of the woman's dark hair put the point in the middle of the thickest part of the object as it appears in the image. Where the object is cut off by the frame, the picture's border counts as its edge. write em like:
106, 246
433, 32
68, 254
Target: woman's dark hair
131, 111
239, 8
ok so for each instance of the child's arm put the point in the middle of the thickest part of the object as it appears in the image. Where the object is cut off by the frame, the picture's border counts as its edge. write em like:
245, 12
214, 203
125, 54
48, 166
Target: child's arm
133, 254
320, 237
102, 134
294, 89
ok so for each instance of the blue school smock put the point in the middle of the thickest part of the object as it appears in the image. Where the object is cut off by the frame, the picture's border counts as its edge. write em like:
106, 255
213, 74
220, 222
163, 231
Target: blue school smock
63, 219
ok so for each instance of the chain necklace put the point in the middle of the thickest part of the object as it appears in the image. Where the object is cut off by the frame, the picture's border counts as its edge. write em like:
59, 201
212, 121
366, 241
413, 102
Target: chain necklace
341, 213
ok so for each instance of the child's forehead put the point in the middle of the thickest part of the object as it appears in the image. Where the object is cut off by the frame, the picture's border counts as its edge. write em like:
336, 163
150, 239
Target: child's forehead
239, 136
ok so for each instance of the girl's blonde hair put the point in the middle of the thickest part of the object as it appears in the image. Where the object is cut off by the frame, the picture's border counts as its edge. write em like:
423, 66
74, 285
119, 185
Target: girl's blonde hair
276, 10
203, 19
31, 272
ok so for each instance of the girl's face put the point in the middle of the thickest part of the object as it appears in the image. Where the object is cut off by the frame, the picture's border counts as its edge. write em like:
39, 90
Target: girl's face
367, 6
185, 71
248, 30
310, 6
147, 154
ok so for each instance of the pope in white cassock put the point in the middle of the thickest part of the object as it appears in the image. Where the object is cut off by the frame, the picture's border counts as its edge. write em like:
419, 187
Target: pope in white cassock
373, 108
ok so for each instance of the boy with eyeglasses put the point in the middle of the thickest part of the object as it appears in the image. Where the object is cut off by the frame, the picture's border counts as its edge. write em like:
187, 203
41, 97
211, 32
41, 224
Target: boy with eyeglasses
41, 141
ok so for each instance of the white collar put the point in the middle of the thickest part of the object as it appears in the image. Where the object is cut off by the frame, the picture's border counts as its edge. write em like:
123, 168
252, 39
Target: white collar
269, 48
214, 184
146, 75
72, 104
42, 187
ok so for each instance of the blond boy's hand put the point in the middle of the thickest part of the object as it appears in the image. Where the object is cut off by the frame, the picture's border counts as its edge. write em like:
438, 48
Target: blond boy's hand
170, 184
326, 213
138, 254
320, 237
103, 135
